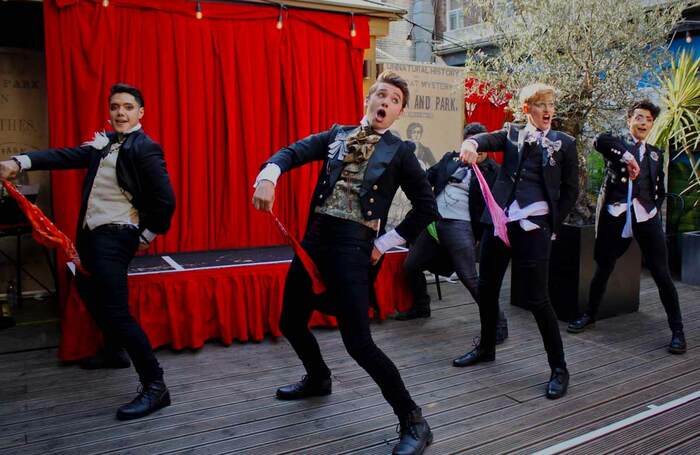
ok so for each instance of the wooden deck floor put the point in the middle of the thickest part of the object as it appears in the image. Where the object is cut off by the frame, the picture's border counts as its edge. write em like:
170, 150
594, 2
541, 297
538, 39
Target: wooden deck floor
223, 397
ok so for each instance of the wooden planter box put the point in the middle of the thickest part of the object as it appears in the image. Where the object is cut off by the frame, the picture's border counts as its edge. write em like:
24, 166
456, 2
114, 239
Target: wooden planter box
571, 270
690, 260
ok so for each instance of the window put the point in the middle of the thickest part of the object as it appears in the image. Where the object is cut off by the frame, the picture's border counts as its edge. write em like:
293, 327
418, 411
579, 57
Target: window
455, 14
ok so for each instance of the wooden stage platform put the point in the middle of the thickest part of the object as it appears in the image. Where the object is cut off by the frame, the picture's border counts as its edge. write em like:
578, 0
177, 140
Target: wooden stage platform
624, 384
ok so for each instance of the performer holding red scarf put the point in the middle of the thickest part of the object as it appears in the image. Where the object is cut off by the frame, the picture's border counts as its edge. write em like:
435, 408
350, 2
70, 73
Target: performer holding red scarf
363, 166
537, 185
127, 199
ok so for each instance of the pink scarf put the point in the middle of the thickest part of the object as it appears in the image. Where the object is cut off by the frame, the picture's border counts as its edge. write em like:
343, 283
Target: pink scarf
498, 216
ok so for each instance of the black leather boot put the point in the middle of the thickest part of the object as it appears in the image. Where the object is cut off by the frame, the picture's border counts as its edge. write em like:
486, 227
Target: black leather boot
476, 355
152, 397
579, 325
106, 359
307, 387
677, 345
558, 383
414, 434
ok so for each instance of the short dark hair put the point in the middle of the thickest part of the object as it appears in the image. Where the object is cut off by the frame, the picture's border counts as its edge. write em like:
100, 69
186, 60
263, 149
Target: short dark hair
126, 88
473, 128
394, 79
646, 105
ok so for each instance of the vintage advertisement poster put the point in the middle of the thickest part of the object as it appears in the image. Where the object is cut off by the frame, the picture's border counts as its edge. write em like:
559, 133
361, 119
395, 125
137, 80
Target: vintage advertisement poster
433, 118
23, 126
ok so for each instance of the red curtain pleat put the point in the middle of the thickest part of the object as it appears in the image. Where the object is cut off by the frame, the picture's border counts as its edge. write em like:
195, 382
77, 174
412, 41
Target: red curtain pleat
221, 95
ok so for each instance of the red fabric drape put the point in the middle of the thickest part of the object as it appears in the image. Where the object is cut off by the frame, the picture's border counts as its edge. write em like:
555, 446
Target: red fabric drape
221, 94
185, 309
487, 105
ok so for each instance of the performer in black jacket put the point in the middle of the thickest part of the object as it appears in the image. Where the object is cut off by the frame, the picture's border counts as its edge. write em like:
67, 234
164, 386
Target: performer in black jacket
127, 199
363, 166
537, 186
631, 159
449, 244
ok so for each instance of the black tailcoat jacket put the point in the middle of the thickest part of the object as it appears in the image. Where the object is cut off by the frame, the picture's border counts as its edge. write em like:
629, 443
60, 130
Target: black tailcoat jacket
393, 164
140, 170
560, 172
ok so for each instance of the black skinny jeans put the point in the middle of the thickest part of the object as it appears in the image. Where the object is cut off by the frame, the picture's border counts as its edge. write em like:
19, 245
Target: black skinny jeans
106, 253
341, 250
530, 252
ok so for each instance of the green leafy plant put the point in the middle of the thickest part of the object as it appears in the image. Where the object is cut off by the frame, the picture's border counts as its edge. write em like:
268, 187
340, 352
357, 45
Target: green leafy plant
678, 127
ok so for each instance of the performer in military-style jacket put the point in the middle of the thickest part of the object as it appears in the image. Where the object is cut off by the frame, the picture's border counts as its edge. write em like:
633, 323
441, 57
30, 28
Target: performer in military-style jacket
537, 186
634, 173
363, 166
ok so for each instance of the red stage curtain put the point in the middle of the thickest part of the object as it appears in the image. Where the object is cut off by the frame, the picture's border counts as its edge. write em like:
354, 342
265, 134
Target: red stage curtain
185, 309
221, 95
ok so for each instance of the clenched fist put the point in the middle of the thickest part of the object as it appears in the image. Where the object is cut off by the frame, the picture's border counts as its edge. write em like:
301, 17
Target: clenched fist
264, 196
8, 169
468, 153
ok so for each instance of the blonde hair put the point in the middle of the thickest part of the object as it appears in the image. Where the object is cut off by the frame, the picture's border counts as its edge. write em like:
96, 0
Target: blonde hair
531, 92
394, 79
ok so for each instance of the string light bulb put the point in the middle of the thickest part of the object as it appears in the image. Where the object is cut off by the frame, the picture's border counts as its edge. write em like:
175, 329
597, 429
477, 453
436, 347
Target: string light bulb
105, 3
198, 12
279, 24
353, 32
688, 37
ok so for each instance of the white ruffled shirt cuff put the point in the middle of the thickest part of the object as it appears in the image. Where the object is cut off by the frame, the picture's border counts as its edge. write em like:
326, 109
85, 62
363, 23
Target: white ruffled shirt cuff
24, 161
389, 241
627, 157
271, 172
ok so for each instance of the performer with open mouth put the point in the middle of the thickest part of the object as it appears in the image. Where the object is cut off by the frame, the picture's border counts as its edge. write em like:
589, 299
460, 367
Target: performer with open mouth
537, 186
363, 166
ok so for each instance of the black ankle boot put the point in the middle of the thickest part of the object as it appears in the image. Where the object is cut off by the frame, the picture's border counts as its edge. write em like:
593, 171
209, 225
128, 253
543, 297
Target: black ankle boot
677, 345
307, 387
152, 397
414, 434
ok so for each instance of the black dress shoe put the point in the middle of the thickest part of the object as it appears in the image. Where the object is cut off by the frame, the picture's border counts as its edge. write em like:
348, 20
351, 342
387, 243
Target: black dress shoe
473, 357
501, 331
414, 434
105, 359
579, 325
558, 383
307, 387
414, 313
677, 345
152, 397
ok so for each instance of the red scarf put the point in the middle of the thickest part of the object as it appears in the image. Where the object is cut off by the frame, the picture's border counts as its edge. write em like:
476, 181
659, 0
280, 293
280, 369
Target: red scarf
43, 230
317, 284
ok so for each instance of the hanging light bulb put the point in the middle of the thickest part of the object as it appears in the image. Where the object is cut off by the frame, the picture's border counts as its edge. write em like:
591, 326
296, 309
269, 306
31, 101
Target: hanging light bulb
409, 38
353, 32
688, 37
105, 3
198, 14
279, 24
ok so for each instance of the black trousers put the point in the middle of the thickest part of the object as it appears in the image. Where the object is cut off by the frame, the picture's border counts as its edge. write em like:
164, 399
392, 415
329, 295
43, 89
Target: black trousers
106, 253
455, 251
530, 252
341, 250
609, 246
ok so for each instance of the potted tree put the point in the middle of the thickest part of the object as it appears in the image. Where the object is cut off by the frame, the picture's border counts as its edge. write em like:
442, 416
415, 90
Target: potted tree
594, 52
